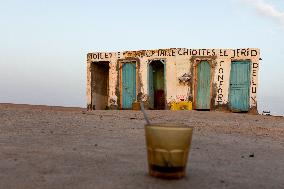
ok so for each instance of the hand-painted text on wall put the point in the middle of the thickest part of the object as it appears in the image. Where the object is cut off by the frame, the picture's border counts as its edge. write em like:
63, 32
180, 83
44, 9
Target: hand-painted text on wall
234, 53
220, 82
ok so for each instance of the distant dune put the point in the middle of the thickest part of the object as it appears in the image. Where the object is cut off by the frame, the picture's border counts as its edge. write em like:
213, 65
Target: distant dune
62, 108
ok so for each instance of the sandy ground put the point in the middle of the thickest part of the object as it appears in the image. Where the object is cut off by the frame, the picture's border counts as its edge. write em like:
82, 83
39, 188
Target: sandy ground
56, 147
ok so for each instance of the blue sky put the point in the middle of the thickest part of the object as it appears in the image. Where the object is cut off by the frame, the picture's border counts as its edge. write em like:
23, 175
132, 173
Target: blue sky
43, 44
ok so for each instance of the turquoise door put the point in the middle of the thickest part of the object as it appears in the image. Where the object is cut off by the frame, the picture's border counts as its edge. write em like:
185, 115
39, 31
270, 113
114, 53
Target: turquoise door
239, 86
151, 87
128, 85
203, 85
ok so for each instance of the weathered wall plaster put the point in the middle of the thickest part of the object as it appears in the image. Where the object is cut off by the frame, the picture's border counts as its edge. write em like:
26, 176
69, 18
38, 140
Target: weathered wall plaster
178, 61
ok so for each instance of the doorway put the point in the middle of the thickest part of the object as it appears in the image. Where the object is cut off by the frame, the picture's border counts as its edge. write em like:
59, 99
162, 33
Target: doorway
128, 84
157, 85
203, 86
100, 85
239, 86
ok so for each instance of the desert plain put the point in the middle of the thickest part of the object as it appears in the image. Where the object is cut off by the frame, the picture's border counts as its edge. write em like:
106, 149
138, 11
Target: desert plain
65, 148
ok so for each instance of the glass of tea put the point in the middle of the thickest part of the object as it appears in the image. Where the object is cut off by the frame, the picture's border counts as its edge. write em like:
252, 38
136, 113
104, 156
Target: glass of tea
168, 146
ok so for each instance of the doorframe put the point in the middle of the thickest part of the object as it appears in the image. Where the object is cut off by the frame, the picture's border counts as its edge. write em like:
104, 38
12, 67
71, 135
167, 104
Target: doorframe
196, 60
121, 62
163, 61
92, 67
250, 79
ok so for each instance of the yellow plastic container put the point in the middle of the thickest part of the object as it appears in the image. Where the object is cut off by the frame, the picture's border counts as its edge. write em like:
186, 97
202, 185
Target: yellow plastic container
135, 105
182, 105
168, 146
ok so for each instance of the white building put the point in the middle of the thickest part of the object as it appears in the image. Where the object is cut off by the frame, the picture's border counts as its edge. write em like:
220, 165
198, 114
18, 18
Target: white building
212, 79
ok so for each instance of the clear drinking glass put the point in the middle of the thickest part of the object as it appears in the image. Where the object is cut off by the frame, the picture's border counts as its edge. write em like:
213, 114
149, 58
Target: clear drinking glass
168, 146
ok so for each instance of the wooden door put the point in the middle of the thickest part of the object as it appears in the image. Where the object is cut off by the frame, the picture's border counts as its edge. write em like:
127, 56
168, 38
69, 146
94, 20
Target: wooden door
128, 85
203, 85
239, 86
151, 87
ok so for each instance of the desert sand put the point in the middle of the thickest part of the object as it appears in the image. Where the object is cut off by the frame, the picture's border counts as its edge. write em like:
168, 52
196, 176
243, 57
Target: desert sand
57, 147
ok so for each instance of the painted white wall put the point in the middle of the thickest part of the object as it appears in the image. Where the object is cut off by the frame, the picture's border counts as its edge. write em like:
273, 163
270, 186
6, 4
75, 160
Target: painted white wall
178, 63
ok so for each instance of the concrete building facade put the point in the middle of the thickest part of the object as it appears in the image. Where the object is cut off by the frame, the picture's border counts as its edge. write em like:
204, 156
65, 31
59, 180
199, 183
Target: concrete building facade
210, 79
